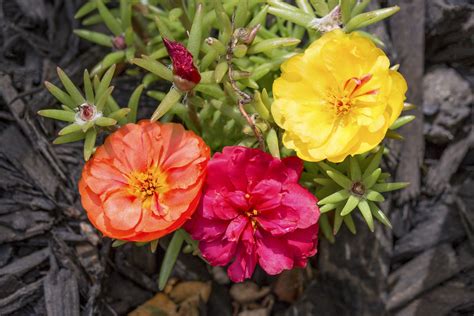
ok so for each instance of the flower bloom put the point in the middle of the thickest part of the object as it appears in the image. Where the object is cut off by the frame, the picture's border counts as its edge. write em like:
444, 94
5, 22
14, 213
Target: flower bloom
338, 98
186, 75
145, 181
253, 210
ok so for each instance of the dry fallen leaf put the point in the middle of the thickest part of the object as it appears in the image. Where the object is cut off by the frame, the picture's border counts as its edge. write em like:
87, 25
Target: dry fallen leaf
158, 305
289, 285
255, 312
247, 292
185, 290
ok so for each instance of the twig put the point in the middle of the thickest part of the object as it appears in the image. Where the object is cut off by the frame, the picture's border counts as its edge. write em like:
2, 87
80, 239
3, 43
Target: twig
243, 97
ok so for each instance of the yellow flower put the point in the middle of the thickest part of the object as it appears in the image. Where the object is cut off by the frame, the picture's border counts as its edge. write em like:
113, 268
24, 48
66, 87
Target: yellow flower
338, 98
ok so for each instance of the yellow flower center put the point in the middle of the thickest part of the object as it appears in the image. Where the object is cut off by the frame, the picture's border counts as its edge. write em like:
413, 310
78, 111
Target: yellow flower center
343, 101
251, 215
145, 184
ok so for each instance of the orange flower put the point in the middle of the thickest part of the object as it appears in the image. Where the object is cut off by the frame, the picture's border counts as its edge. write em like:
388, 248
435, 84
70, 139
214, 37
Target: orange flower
145, 181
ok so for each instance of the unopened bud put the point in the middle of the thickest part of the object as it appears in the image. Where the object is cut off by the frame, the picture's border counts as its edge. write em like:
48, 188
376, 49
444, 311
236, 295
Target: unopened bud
186, 75
119, 42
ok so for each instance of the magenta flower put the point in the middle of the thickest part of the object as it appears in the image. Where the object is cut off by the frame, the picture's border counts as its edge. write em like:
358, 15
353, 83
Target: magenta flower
254, 211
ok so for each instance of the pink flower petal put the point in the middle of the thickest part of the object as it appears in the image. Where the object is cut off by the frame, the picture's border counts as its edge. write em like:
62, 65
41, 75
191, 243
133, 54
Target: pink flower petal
218, 252
273, 254
215, 205
266, 195
302, 201
236, 227
244, 264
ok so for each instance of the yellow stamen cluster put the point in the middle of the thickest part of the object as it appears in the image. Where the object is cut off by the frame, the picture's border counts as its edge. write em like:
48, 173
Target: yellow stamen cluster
145, 184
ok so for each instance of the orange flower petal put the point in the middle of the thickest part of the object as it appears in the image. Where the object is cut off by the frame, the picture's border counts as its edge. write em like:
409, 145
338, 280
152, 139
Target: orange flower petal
123, 211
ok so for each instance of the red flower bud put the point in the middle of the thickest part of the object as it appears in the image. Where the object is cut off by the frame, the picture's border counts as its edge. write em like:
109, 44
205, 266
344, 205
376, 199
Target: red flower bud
119, 42
186, 75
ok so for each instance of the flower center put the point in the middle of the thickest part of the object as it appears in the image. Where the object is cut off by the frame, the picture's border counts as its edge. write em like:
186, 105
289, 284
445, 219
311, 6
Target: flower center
252, 217
87, 112
146, 184
358, 188
351, 91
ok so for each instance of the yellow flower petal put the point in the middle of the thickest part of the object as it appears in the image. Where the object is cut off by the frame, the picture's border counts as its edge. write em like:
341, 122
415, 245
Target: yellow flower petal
338, 98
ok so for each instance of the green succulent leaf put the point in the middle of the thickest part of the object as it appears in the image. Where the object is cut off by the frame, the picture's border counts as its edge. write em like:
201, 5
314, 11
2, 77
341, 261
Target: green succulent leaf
59, 94
171, 255
366, 213
69, 138
350, 205
70, 87
94, 37
60, 115
112, 24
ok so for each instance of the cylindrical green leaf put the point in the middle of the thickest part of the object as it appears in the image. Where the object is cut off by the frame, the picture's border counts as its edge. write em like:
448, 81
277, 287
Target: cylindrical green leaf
118, 243
109, 60
112, 24
220, 71
125, 13
271, 44
402, 120
195, 35
375, 196
69, 138
354, 169
305, 6
105, 82
133, 104
95, 37
350, 205
360, 7
386, 187
60, 115
171, 98
88, 87
327, 207
374, 163
321, 7
272, 142
85, 9
89, 143
261, 108
163, 28
335, 197
367, 214
326, 228
72, 128
340, 179
103, 99
349, 223
297, 17
371, 179
365, 19
59, 94
379, 215
170, 258
241, 14
119, 114
346, 10
105, 121
155, 67
240, 50
260, 17
70, 87
337, 221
